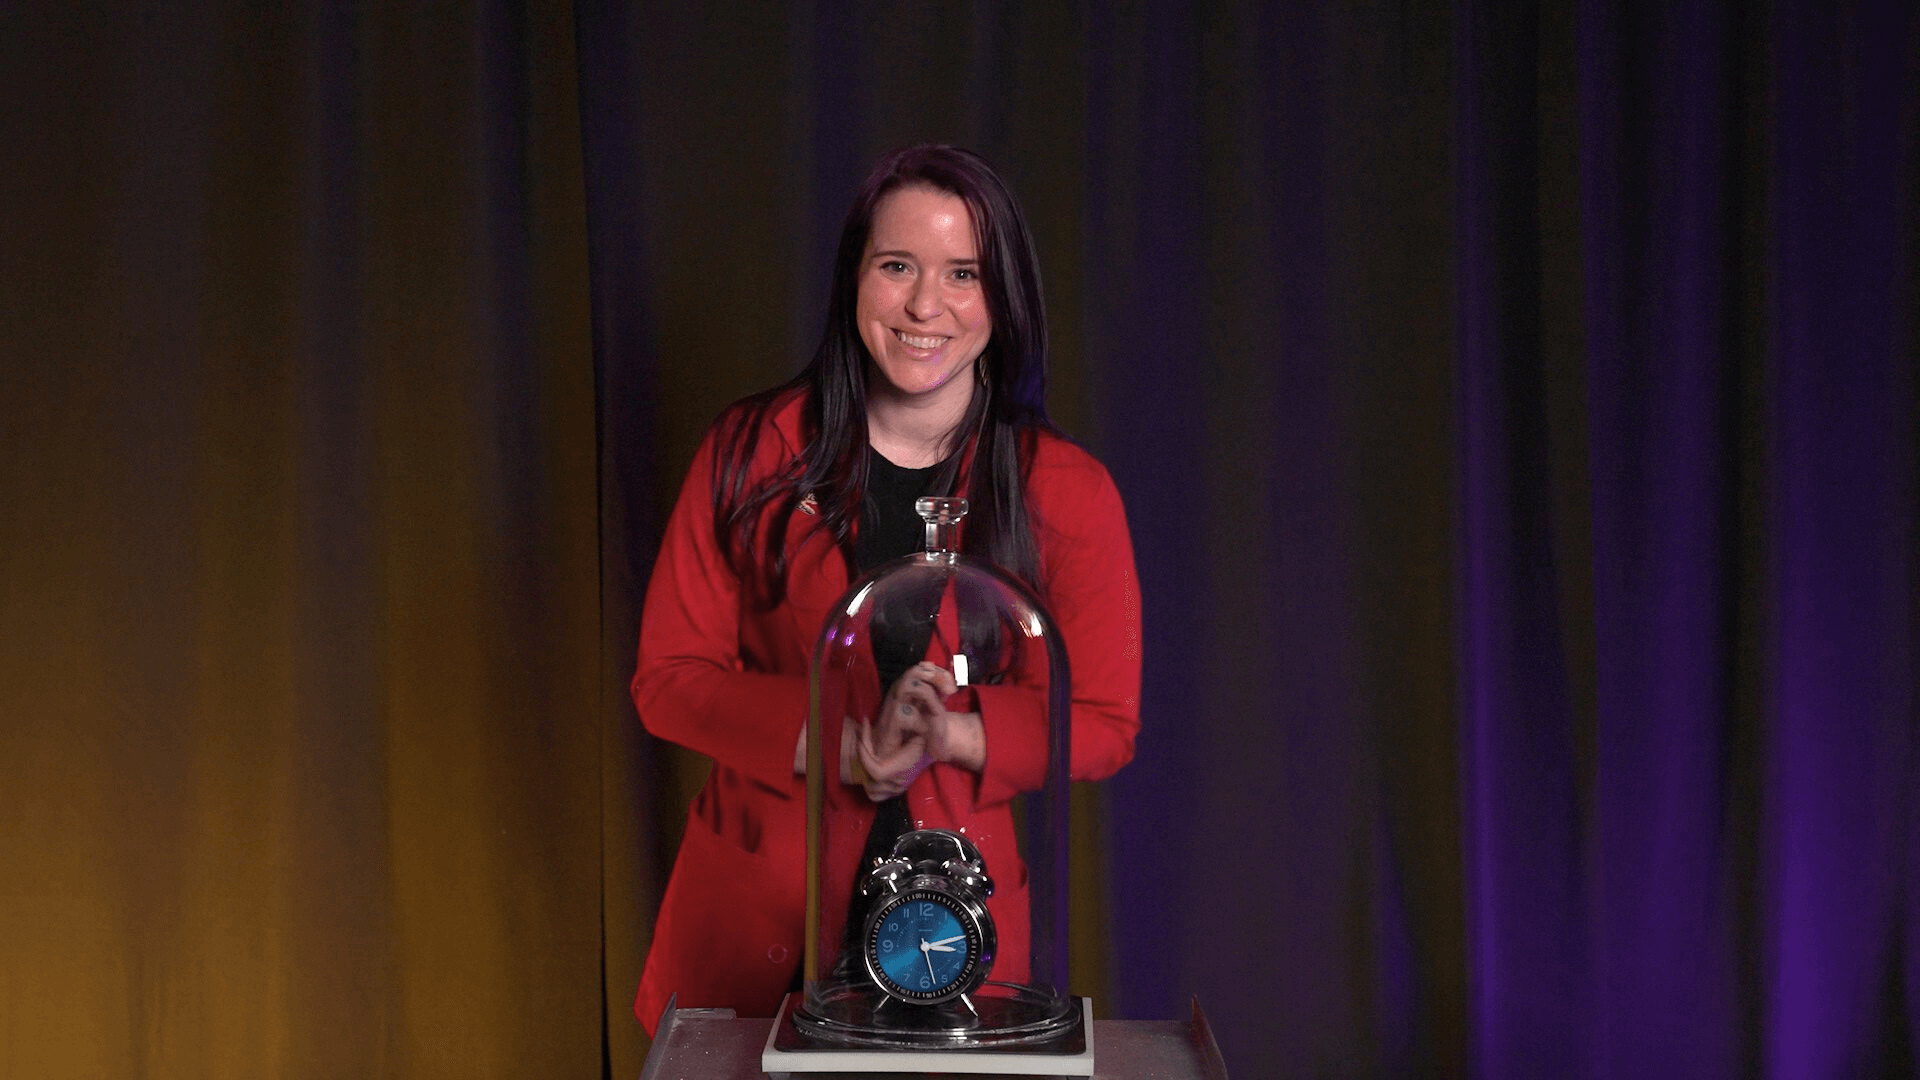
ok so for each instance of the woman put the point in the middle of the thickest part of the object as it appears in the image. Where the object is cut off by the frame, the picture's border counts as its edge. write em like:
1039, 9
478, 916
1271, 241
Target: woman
930, 378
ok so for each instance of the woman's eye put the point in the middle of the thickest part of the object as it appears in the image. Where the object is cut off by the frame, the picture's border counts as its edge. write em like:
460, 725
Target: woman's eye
965, 275
894, 266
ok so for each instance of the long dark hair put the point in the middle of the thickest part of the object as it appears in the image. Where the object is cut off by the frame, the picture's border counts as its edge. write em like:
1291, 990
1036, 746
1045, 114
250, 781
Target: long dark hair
1008, 407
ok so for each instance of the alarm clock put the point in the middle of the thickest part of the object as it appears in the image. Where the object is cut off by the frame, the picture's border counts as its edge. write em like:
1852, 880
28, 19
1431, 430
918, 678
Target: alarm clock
928, 936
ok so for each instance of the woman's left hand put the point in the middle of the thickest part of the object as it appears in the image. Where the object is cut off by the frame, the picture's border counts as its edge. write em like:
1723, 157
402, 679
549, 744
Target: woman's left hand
915, 729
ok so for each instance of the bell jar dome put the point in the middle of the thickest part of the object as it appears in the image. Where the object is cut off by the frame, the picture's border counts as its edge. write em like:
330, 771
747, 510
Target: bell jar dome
937, 877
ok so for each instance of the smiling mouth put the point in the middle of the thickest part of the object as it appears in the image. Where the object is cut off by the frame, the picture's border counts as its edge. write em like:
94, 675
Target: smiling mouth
913, 342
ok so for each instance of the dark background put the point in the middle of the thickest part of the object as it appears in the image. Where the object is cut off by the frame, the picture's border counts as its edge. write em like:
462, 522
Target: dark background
1515, 406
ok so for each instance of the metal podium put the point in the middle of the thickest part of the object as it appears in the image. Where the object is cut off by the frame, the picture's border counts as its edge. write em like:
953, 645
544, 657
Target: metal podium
713, 1044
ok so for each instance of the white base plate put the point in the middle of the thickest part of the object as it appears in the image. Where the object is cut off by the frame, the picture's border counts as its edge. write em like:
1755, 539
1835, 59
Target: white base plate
1010, 1062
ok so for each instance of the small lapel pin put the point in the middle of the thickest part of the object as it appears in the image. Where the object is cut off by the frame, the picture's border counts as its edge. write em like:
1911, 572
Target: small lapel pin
808, 505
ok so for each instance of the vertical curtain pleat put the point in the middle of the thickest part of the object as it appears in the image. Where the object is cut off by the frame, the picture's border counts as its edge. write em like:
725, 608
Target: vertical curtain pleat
1143, 324
1673, 823
1521, 770
1840, 704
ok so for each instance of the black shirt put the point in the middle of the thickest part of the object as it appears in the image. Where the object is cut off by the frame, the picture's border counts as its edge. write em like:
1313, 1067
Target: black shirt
889, 525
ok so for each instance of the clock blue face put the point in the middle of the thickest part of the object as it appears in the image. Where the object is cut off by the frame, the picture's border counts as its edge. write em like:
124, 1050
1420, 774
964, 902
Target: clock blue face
922, 947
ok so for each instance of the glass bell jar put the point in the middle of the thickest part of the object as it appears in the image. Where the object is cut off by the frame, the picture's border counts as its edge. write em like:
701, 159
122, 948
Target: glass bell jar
936, 892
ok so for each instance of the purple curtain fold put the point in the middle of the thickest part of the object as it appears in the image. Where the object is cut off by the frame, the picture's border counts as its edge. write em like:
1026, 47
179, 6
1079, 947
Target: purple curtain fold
1670, 381
1839, 706
1146, 363
1523, 820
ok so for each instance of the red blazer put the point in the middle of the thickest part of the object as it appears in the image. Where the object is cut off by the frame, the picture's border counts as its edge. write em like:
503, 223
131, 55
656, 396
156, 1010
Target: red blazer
722, 677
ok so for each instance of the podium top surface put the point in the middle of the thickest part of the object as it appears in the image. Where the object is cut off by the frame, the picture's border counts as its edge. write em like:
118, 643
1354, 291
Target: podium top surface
713, 1044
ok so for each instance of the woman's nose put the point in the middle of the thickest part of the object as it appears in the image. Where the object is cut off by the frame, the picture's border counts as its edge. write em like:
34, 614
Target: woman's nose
924, 301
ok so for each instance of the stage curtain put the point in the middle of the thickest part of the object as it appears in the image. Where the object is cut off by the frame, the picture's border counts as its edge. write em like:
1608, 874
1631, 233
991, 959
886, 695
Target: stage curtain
302, 739
1518, 405
1515, 406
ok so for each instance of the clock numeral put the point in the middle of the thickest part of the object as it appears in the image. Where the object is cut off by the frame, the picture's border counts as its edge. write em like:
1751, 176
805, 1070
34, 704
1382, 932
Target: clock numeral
928, 911
886, 945
926, 982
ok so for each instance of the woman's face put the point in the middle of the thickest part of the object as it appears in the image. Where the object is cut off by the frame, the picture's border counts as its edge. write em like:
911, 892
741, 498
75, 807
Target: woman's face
921, 309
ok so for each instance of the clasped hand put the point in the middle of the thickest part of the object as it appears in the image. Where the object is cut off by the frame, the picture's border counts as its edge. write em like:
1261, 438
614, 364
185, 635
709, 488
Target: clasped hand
913, 730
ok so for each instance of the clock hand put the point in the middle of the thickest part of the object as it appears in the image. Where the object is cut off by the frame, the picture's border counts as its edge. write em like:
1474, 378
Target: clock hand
947, 941
927, 955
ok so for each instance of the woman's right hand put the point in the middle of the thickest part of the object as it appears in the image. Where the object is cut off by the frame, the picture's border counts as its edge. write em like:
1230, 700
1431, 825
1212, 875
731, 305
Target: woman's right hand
886, 764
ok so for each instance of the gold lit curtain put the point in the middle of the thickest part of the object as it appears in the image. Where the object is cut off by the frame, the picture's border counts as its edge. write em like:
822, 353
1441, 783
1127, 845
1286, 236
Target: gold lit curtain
302, 723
